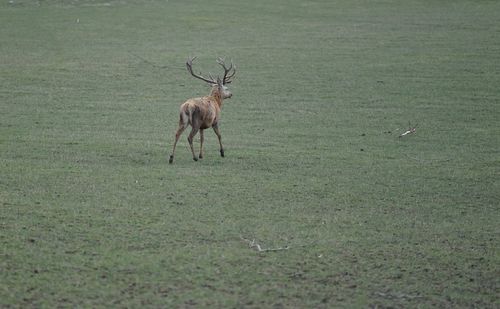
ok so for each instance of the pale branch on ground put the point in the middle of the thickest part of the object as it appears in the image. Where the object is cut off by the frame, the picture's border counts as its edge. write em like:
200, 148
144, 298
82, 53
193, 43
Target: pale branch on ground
409, 131
254, 245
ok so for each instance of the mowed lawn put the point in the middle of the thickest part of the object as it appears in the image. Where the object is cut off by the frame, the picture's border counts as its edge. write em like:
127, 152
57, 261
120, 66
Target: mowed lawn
317, 204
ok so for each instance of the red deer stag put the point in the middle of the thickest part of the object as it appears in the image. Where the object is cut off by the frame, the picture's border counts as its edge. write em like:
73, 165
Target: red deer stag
202, 113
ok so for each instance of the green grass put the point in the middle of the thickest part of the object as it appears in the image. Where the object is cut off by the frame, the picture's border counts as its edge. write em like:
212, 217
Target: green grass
92, 214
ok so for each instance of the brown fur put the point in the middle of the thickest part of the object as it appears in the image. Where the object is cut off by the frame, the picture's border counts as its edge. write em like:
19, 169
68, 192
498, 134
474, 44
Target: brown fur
203, 113
200, 113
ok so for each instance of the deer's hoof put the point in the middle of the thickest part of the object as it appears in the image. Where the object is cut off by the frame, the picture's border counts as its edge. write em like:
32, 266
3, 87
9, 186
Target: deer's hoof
200, 157
195, 158
171, 159
222, 153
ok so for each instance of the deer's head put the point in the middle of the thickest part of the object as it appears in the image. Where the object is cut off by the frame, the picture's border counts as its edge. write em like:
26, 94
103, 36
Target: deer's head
218, 84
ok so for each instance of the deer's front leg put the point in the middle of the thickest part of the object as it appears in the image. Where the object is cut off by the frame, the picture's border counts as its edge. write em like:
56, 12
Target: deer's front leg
217, 132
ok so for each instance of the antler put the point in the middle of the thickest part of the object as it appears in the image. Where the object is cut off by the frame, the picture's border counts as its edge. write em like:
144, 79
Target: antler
227, 71
189, 65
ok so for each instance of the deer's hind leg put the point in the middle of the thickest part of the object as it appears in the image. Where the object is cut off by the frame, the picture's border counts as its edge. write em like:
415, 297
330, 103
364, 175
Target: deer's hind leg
201, 144
182, 126
194, 130
195, 127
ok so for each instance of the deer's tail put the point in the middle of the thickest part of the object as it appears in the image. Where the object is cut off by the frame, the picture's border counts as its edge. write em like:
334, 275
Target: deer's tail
188, 115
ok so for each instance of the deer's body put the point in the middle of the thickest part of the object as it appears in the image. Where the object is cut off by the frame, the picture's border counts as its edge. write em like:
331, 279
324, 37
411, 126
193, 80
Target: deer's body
204, 112
208, 109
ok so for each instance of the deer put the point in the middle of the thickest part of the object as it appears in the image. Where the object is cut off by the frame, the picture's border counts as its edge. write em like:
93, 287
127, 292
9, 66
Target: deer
204, 112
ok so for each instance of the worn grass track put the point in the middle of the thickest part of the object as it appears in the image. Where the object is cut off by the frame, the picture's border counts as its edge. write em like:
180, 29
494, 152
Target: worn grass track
92, 215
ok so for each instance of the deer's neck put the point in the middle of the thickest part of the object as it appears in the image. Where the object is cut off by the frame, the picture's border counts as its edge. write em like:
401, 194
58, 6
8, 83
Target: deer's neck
217, 96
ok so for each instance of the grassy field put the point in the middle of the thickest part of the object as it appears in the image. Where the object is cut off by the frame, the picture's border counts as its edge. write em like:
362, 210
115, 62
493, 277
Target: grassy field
92, 214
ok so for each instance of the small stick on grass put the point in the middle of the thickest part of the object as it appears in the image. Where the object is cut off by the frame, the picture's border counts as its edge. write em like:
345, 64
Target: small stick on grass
410, 130
252, 244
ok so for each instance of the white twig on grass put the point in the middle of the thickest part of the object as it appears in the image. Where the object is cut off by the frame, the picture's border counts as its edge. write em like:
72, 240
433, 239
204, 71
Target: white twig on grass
409, 131
252, 244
